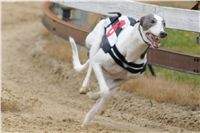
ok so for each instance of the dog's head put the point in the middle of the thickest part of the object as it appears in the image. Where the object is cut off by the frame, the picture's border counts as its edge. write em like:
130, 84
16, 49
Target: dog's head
153, 27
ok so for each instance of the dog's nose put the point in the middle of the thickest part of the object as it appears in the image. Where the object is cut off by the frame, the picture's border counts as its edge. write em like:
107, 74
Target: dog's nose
163, 34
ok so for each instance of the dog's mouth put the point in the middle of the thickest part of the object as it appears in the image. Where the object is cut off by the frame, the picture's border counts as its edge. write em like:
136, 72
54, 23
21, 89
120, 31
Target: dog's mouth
155, 40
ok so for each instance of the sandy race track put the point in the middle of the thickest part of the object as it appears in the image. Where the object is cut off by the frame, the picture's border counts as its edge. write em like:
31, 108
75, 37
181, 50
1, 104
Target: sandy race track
40, 93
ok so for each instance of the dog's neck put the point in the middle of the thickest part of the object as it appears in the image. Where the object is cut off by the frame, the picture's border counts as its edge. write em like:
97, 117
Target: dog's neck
137, 46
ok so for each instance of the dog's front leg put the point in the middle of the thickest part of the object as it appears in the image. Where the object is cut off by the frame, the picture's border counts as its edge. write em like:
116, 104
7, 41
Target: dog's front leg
86, 81
113, 87
104, 90
98, 107
99, 58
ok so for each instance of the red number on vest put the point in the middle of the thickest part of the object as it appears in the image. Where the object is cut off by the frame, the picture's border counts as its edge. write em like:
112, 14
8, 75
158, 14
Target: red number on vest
115, 27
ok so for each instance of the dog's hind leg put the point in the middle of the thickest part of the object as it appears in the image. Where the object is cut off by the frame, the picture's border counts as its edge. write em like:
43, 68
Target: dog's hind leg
93, 41
99, 105
102, 100
94, 95
95, 36
113, 86
95, 109
86, 81
104, 95
92, 52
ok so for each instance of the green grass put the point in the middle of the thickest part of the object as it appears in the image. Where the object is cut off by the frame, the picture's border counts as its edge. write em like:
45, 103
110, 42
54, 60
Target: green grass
184, 42
178, 76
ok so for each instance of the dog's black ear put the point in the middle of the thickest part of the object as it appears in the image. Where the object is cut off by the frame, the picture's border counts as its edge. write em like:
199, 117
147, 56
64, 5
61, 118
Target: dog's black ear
147, 21
142, 21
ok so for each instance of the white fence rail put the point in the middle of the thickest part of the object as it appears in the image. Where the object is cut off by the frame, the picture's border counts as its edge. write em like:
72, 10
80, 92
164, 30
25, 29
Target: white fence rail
182, 19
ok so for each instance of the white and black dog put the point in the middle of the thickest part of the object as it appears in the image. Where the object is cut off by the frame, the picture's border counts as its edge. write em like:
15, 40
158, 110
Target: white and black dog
120, 60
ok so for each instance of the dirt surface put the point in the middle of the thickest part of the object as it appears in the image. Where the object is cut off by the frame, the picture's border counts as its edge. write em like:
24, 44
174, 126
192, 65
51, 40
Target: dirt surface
40, 93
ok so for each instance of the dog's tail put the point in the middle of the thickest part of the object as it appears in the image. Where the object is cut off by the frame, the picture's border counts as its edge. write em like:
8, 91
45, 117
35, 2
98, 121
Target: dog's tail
76, 61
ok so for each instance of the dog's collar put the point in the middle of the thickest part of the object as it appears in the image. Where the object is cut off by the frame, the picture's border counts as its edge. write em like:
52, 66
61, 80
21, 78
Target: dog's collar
148, 44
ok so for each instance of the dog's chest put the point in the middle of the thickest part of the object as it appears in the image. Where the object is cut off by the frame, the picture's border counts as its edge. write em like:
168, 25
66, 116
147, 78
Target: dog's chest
114, 71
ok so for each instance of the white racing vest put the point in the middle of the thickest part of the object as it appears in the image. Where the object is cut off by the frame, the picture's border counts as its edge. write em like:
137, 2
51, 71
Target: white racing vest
113, 27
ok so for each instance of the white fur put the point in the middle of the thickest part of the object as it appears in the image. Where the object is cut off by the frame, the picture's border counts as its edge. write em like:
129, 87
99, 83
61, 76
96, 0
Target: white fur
106, 70
76, 62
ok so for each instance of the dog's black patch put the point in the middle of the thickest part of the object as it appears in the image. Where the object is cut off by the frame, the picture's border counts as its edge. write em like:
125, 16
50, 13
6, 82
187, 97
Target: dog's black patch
147, 21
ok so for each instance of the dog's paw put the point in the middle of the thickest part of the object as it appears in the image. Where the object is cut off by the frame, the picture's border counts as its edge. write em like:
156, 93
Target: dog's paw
83, 125
83, 90
105, 93
93, 95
